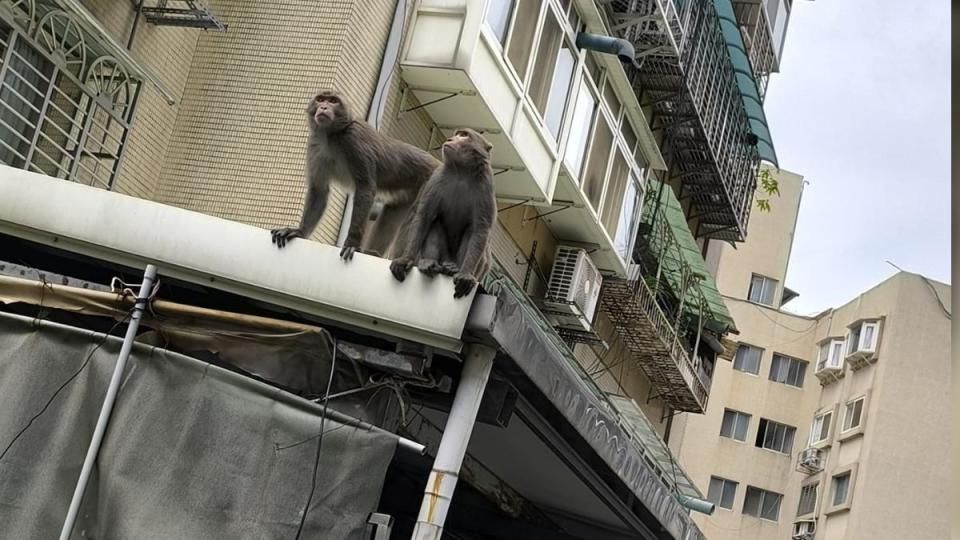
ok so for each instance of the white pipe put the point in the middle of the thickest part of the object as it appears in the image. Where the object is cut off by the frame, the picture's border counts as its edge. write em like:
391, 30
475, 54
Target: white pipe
148, 278
453, 444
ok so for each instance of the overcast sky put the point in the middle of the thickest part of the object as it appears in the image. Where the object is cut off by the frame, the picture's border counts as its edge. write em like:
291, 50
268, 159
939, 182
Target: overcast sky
861, 109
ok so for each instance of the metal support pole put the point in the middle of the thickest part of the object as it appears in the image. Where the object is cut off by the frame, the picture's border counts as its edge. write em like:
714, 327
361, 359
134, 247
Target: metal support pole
148, 278
453, 444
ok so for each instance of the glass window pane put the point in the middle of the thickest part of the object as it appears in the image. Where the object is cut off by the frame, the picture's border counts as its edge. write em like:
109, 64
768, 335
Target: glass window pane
498, 17
771, 506
596, 170
616, 188
545, 64
560, 89
756, 289
593, 68
629, 135
868, 331
825, 428
579, 129
747, 359
521, 41
628, 219
729, 493
611, 99
751, 502
788, 435
743, 421
726, 427
840, 486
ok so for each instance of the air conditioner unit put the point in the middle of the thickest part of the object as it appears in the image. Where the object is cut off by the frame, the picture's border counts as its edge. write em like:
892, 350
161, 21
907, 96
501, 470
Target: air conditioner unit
804, 529
811, 460
574, 289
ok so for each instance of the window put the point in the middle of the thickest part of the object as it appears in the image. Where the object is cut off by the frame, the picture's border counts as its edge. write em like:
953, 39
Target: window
762, 289
626, 227
580, 129
762, 503
498, 17
775, 436
831, 355
610, 98
596, 170
747, 359
841, 486
787, 370
808, 499
853, 414
734, 425
722, 492
616, 189
862, 337
820, 430
552, 74
521, 40
560, 88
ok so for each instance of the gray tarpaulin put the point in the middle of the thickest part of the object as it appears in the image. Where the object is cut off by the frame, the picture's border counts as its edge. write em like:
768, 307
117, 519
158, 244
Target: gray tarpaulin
192, 450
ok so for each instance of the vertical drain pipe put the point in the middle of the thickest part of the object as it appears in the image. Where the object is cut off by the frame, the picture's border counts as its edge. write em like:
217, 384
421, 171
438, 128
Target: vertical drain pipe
148, 278
453, 444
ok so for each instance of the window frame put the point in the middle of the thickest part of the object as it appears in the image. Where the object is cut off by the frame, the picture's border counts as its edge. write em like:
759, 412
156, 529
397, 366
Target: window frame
764, 425
766, 280
835, 356
737, 415
815, 486
736, 356
858, 329
763, 495
825, 441
851, 471
791, 361
846, 432
724, 482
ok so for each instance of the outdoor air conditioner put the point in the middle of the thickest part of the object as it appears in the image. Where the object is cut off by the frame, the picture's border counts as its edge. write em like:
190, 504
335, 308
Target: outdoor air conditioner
811, 459
574, 289
804, 529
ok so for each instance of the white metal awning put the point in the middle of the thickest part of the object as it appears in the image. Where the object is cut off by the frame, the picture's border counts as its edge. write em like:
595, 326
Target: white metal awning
305, 276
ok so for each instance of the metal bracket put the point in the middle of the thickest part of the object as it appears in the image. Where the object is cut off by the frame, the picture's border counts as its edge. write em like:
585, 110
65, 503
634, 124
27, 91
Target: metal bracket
545, 214
382, 525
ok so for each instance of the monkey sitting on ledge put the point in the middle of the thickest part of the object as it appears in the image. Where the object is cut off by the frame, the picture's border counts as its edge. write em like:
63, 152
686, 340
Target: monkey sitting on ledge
357, 158
450, 227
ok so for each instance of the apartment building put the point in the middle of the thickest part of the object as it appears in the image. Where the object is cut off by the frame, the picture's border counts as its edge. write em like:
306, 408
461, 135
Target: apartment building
812, 426
173, 132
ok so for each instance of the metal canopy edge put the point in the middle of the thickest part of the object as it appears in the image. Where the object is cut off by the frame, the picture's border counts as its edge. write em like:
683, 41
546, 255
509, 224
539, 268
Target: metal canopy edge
306, 276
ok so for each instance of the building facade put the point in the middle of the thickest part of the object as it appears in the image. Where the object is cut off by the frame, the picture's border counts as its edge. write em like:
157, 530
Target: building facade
807, 431
624, 172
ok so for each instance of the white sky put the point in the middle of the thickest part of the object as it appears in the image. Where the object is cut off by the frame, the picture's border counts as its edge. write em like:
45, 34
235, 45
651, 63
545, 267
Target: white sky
861, 109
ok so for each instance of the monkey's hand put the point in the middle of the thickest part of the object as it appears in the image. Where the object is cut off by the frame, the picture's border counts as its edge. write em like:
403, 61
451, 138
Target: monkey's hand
280, 237
399, 267
462, 284
346, 252
449, 268
429, 267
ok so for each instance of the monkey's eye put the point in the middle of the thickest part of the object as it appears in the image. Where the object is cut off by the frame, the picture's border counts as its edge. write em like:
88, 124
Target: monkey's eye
333, 100
461, 134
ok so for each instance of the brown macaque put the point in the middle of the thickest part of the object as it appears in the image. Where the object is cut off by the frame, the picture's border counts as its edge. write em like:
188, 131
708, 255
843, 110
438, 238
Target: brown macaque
450, 227
357, 158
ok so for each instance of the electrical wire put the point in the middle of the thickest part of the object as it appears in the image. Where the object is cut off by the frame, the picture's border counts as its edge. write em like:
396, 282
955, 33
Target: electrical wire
63, 385
933, 290
316, 460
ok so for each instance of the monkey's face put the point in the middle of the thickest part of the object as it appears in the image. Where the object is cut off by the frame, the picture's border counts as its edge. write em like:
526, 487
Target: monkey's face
326, 110
466, 145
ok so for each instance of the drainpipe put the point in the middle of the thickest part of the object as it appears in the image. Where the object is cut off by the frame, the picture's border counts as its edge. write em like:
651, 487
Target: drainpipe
453, 444
375, 114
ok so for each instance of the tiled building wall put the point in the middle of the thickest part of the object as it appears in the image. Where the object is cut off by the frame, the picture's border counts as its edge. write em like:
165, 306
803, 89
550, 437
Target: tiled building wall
237, 150
167, 52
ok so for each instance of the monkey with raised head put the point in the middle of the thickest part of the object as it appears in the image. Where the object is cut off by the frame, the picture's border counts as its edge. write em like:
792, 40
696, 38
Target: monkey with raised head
450, 227
357, 158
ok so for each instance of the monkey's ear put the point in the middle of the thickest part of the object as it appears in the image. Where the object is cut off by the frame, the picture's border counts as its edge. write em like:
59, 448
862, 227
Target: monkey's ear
486, 145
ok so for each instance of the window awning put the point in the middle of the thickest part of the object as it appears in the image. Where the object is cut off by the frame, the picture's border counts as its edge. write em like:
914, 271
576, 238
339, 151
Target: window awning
718, 317
745, 80
100, 40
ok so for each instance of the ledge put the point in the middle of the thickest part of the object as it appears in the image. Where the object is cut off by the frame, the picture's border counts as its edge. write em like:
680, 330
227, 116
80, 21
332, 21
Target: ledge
305, 276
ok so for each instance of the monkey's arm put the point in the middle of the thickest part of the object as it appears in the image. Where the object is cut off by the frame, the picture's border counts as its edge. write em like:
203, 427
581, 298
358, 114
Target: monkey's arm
314, 204
424, 213
363, 197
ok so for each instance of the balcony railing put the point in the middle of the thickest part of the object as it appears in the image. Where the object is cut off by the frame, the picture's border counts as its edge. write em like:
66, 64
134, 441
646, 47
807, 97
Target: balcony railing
693, 90
756, 30
65, 104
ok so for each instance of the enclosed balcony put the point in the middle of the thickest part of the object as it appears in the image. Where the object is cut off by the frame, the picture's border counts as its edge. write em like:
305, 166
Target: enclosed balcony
696, 77
668, 309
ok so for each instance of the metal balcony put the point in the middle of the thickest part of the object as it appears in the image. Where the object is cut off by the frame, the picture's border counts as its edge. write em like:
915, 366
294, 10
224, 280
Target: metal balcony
666, 303
707, 108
